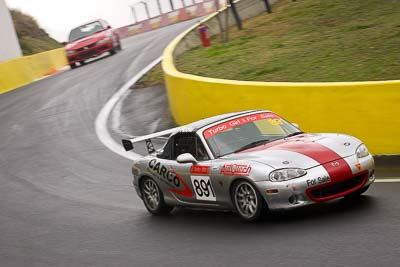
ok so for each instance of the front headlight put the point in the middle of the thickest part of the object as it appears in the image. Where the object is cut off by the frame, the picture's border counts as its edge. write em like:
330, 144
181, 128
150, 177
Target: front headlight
362, 151
286, 174
102, 41
70, 52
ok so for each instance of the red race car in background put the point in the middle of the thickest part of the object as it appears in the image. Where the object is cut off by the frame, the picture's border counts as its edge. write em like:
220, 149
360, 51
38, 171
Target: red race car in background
91, 40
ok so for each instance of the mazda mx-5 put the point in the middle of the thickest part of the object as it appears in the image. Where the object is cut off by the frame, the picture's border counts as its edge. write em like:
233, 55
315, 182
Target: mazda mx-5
251, 162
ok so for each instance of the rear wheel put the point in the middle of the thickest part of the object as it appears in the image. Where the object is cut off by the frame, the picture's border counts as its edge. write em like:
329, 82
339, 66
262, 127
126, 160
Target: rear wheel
72, 65
357, 193
153, 198
82, 62
248, 202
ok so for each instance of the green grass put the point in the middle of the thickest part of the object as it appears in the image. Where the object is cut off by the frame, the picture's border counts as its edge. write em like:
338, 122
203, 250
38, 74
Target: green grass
32, 38
307, 41
152, 78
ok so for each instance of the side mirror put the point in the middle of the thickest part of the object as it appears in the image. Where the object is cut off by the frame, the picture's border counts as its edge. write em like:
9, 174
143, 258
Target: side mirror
186, 158
296, 125
108, 27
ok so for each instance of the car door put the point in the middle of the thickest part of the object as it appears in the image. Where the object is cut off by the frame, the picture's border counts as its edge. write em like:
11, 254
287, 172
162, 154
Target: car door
195, 182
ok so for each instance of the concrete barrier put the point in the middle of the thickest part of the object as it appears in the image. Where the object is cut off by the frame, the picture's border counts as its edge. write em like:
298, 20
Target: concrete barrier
367, 110
24, 70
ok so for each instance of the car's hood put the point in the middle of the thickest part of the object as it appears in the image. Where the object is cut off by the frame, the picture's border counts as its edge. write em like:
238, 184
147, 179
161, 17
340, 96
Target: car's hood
86, 41
302, 151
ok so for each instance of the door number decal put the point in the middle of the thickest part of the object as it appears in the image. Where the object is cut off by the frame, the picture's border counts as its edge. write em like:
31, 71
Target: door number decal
203, 188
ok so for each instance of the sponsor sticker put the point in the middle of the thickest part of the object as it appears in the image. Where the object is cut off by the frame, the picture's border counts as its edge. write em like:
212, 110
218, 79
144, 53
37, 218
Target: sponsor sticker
358, 166
236, 170
203, 188
275, 122
209, 7
169, 177
191, 11
210, 132
318, 181
161, 171
135, 29
173, 16
197, 169
155, 23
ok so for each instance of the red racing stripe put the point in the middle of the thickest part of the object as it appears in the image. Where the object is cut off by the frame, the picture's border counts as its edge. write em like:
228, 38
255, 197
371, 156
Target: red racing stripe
186, 192
334, 164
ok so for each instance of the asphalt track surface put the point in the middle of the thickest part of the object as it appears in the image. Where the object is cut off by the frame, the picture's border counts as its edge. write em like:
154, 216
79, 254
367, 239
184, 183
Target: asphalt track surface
66, 200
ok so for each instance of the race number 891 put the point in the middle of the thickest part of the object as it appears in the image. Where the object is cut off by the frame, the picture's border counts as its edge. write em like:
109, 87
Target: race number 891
203, 188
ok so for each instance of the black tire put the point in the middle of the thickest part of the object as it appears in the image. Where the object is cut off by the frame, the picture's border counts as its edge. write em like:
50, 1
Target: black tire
82, 62
357, 193
119, 47
156, 205
113, 51
72, 65
256, 206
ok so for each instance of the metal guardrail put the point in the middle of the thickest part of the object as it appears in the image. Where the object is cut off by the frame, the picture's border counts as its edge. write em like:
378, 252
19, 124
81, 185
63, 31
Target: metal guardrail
187, 12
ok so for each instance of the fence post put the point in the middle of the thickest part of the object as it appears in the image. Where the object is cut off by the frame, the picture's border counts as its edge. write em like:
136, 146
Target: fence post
236, 15
268, 6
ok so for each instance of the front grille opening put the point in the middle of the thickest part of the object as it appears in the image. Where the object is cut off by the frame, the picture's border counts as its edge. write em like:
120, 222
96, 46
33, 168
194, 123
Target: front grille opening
338, 188
88, 54
86, 47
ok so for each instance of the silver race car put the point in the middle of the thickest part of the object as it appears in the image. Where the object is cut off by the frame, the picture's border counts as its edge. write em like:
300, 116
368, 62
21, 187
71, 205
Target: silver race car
251, 162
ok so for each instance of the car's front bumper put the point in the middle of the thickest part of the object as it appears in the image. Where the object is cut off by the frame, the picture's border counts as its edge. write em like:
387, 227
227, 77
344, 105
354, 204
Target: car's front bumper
89, 51
317, 186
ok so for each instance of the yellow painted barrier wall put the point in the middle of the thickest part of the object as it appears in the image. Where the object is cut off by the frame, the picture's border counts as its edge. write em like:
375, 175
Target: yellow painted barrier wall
21, 71
369, 111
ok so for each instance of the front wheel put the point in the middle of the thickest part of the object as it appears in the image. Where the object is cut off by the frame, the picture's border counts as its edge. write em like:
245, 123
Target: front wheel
72, 65
153, 198
248, 202
119, 47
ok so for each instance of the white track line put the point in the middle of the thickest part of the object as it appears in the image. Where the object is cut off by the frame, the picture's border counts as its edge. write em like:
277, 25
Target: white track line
387, 180
101, 121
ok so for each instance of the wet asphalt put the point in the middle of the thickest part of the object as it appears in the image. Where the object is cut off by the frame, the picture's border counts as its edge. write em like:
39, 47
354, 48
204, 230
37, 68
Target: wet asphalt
66, 200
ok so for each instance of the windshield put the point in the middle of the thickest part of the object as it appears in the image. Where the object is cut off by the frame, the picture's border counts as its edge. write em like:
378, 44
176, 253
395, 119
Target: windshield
85, 30
246, 132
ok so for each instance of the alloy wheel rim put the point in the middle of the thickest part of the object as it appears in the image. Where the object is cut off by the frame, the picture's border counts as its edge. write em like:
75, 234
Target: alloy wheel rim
151, 194
246, 200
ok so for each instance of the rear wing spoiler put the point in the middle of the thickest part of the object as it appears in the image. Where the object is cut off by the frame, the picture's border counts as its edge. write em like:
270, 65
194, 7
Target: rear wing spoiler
128, 143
